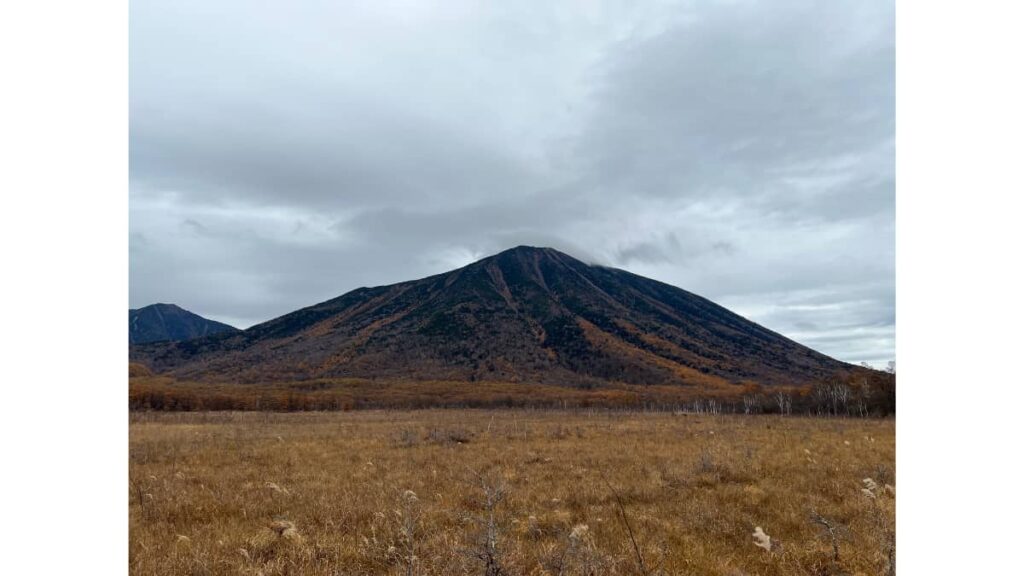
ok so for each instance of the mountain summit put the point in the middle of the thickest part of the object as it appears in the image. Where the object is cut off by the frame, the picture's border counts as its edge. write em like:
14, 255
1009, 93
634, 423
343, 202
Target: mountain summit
158, 322
525, 314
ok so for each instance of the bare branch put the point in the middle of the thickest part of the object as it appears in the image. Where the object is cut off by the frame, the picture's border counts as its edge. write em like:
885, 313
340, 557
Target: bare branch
629, 528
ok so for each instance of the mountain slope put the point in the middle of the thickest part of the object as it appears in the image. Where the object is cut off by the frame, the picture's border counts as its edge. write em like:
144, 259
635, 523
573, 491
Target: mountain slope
526, 314
158, 322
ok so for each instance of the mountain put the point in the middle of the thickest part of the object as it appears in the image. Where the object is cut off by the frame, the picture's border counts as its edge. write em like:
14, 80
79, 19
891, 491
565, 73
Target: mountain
523, 315
158, 322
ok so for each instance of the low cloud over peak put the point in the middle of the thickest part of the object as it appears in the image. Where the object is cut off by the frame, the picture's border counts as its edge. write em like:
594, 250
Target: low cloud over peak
284, 154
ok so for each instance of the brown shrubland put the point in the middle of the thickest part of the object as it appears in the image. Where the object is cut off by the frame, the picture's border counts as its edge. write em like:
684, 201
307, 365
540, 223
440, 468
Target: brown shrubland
509, 492
869, 395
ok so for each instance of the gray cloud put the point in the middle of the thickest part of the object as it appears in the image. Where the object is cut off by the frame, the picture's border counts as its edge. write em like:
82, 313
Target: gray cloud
284, 154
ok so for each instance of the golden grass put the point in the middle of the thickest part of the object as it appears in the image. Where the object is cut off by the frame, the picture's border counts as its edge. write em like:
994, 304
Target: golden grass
407, 493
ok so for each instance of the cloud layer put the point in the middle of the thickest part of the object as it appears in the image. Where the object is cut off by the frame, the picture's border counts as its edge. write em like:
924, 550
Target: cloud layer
282, 154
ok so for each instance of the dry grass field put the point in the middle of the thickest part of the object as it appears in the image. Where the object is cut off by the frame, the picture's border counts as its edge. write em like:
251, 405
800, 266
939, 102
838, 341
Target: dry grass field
509, 492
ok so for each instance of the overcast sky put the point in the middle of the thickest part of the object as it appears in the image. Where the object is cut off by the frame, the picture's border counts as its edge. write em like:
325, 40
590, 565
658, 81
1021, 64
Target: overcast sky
283, 153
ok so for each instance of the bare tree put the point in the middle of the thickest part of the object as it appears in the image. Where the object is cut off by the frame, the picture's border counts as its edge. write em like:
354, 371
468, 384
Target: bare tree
752, 403
784, 402
837, 395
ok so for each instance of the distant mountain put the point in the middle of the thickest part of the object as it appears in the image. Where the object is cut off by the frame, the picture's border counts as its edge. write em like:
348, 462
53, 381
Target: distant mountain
159, 322
526, 314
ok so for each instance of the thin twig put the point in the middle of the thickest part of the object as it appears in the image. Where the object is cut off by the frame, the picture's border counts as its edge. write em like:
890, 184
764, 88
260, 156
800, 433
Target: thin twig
141, 497
625, 520
832, 529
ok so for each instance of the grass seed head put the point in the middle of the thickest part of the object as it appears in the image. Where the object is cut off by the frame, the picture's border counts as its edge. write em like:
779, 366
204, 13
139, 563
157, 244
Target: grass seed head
275, 488
762, 540
579, 532
281, 526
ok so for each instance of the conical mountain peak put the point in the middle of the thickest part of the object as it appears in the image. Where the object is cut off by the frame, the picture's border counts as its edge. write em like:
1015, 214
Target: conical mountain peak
531, 314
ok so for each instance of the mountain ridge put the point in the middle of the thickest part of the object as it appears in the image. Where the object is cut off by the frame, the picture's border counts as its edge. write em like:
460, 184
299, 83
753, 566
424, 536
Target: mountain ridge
170, 322
526, 314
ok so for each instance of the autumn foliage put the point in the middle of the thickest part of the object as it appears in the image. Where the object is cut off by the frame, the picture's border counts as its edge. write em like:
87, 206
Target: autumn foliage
868, 393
